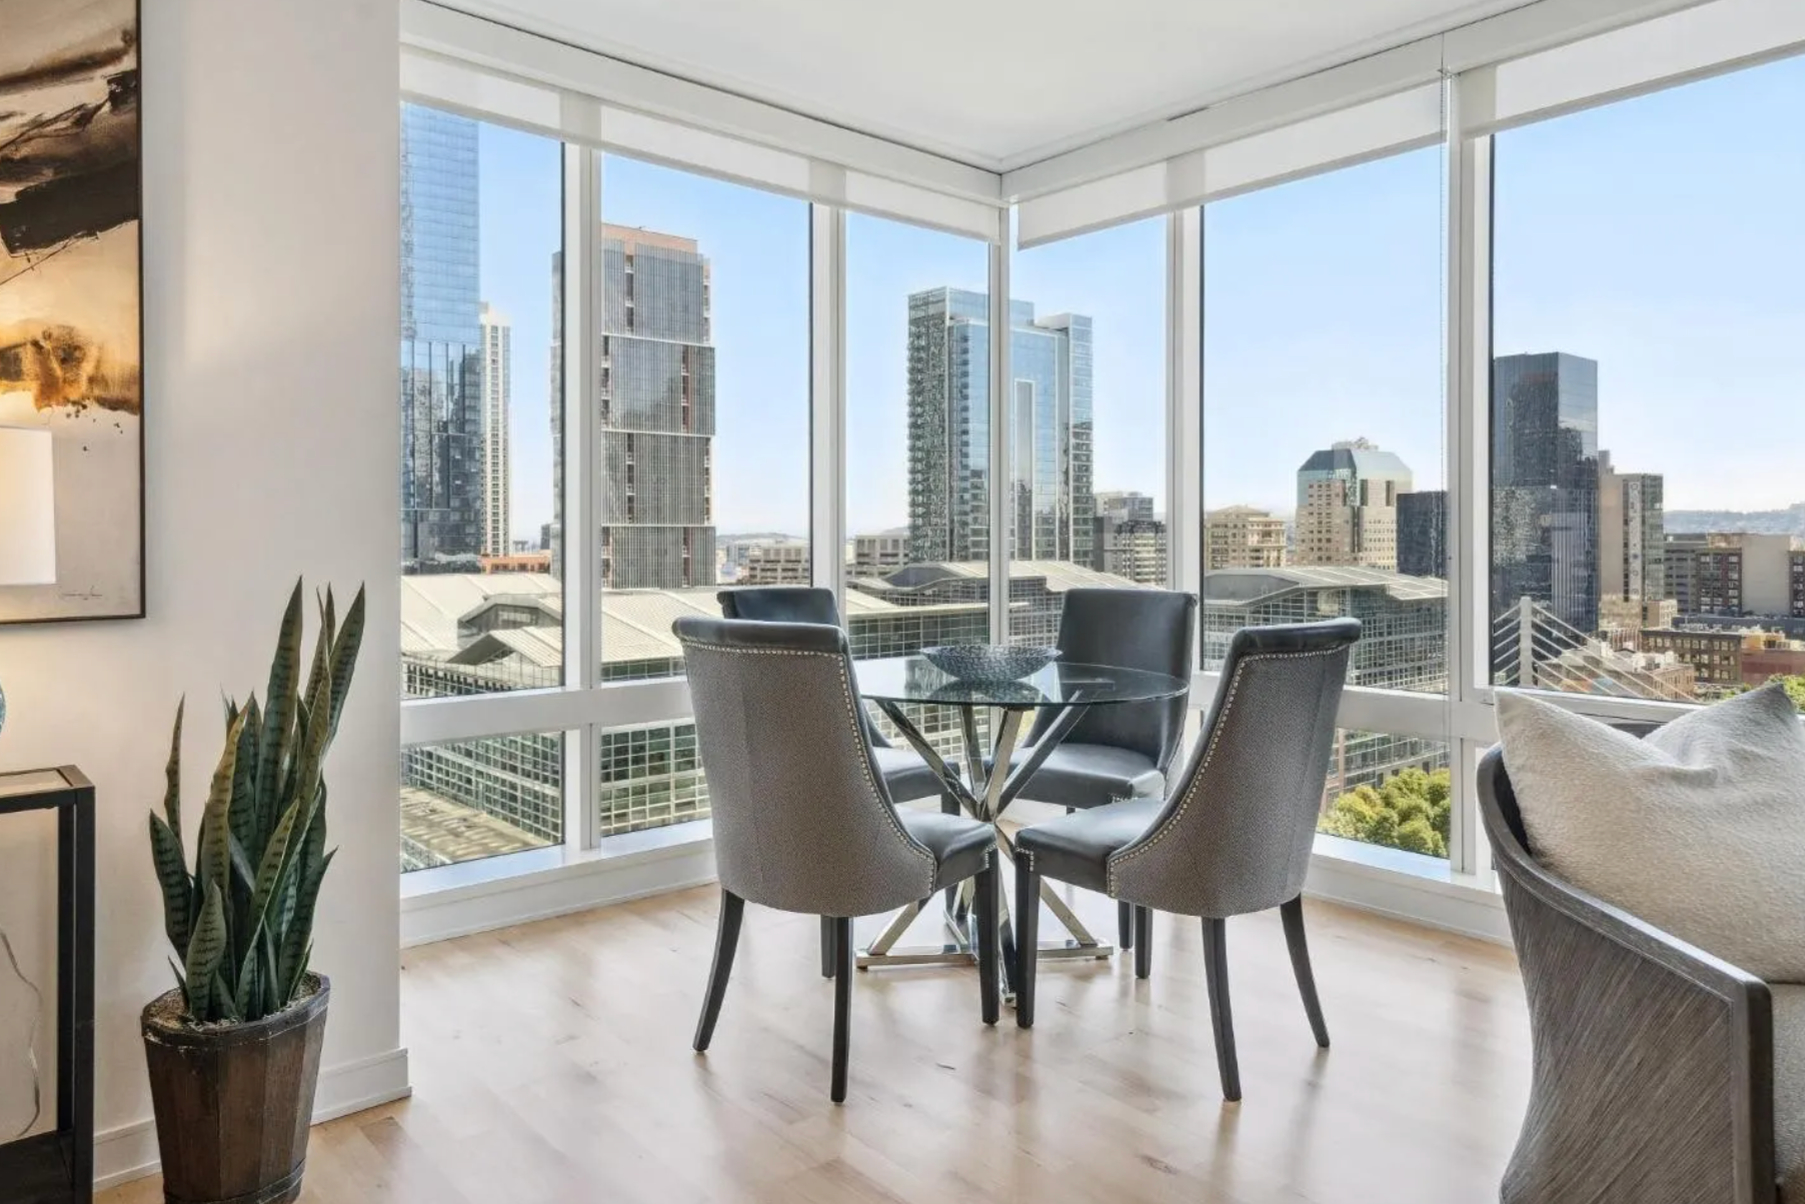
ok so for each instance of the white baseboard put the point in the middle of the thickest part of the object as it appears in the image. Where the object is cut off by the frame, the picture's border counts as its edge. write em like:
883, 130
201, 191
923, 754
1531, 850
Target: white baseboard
580, 884
1466, 908
129, 1151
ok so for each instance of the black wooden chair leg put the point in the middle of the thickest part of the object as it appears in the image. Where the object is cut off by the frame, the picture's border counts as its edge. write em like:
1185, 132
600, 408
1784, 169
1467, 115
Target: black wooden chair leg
989, 994
727, 938
1027, 940
1215, 959
1125, 925
827, 946
842, 1005
1293, 915
1143, 942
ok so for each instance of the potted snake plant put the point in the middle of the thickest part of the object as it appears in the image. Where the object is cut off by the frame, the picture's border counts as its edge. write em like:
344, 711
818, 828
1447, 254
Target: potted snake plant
234, 1050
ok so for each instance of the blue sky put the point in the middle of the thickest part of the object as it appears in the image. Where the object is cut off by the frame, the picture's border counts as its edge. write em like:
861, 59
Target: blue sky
1661, 236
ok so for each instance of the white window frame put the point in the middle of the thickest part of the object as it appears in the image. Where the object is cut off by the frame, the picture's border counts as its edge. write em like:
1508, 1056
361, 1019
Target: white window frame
1526, 71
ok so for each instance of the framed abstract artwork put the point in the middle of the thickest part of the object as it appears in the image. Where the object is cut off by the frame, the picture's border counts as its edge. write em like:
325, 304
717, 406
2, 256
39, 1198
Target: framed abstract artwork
71, 312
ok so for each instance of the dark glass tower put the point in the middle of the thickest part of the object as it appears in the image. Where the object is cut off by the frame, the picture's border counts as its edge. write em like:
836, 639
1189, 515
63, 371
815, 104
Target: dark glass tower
1052, 508
657, 415
441, 340
1423, 533
1545, 536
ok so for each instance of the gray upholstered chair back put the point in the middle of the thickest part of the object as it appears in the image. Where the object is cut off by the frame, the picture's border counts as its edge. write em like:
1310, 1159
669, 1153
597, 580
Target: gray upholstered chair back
791, 604
780, 604
802, 821
1150, 629
1236, 830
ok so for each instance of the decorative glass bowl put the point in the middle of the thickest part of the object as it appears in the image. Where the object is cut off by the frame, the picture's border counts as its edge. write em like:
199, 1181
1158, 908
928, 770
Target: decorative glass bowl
990, 662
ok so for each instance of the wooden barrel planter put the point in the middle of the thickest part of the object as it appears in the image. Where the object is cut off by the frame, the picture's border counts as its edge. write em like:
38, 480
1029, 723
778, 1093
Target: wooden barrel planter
234, 1102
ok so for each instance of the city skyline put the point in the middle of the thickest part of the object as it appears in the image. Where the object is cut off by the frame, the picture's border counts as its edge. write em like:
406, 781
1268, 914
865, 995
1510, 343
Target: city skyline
1342, 269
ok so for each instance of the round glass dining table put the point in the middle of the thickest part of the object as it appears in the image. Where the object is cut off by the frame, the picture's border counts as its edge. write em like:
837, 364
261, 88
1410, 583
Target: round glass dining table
995, 776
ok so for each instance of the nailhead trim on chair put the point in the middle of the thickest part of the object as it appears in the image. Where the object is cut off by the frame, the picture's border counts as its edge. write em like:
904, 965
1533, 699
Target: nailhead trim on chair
1123, 857
902, 835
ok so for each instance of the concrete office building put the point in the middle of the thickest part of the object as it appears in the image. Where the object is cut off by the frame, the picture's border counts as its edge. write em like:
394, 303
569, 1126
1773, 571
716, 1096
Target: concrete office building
1243, 537
497, 390
1347, 506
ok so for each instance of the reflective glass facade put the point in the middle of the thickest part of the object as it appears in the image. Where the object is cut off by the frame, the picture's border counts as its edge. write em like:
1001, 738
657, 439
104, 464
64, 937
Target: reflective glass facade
1052, 506
1545, 539
441, 338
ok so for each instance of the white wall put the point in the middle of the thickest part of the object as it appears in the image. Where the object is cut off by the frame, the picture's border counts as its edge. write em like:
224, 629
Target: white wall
271, 246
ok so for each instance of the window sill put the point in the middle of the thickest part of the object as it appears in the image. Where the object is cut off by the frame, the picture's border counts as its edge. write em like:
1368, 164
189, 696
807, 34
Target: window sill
480, 896
1406, 886
477, 896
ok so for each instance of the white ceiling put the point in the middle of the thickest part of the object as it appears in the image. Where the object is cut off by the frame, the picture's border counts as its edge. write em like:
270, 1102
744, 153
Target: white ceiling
993, 83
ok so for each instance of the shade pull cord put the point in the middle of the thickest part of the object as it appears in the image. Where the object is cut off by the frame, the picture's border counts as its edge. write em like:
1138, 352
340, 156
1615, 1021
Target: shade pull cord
31, 1036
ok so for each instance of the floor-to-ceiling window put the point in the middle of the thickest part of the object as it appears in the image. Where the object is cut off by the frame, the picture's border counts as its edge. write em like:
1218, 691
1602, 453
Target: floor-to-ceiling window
701, 460
1085, 488
918, 476
1324, 489
1646, 386
482, 600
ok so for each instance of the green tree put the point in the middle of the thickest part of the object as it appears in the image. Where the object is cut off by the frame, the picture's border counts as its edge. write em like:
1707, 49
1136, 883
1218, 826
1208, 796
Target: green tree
1409, 810
1795, 689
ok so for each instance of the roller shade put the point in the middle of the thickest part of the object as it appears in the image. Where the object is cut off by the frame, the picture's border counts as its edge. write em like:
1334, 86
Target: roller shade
1657, 53
497, 73
1399, 122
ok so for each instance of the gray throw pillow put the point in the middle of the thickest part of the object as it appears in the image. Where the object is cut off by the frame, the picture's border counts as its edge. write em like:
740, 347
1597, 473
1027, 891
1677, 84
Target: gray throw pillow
1699, 829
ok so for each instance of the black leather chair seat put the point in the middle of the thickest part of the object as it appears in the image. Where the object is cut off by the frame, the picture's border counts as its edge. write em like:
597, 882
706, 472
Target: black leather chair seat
905, 773
960, 844
1076, 848
1091, 775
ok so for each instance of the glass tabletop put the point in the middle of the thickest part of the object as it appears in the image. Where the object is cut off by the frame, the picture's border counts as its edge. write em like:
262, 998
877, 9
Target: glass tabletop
915, 679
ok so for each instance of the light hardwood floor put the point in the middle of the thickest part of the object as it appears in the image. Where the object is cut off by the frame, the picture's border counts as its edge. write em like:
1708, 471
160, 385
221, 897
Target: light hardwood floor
551, 1063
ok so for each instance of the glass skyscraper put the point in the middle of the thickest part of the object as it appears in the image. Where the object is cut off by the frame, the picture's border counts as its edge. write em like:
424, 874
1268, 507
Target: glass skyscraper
657, 416
1052, 507
1545, 537
441, 339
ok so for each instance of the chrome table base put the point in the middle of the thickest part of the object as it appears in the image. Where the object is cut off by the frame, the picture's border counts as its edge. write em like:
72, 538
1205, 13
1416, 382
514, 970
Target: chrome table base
986, 798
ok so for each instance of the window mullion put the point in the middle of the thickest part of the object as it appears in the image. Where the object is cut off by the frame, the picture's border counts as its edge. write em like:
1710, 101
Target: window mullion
582, 582
1000, 376
827, 399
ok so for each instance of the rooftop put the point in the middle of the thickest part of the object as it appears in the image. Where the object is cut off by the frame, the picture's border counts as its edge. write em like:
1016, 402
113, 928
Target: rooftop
1245, 587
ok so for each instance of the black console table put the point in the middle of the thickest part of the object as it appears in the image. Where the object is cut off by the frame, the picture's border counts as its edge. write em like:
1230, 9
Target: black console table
58, 1167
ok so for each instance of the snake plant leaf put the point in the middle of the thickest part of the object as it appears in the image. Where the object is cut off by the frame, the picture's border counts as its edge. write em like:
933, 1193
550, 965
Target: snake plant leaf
172, 773
242, 809
277, 861
293, 987
297, 939
205, 952
223, 1003
249, 990
215, 853
344, 656
274, 998
172, 876
279, 702
311, 852
181, 979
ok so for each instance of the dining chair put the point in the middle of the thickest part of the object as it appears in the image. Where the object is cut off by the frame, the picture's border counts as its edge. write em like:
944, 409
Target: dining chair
1117, 752
1232, 837
904, 772
802, 819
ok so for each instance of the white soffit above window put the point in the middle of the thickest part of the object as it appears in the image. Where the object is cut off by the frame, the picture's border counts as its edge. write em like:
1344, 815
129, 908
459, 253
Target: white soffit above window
1244, 143
489, 71
997, 83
